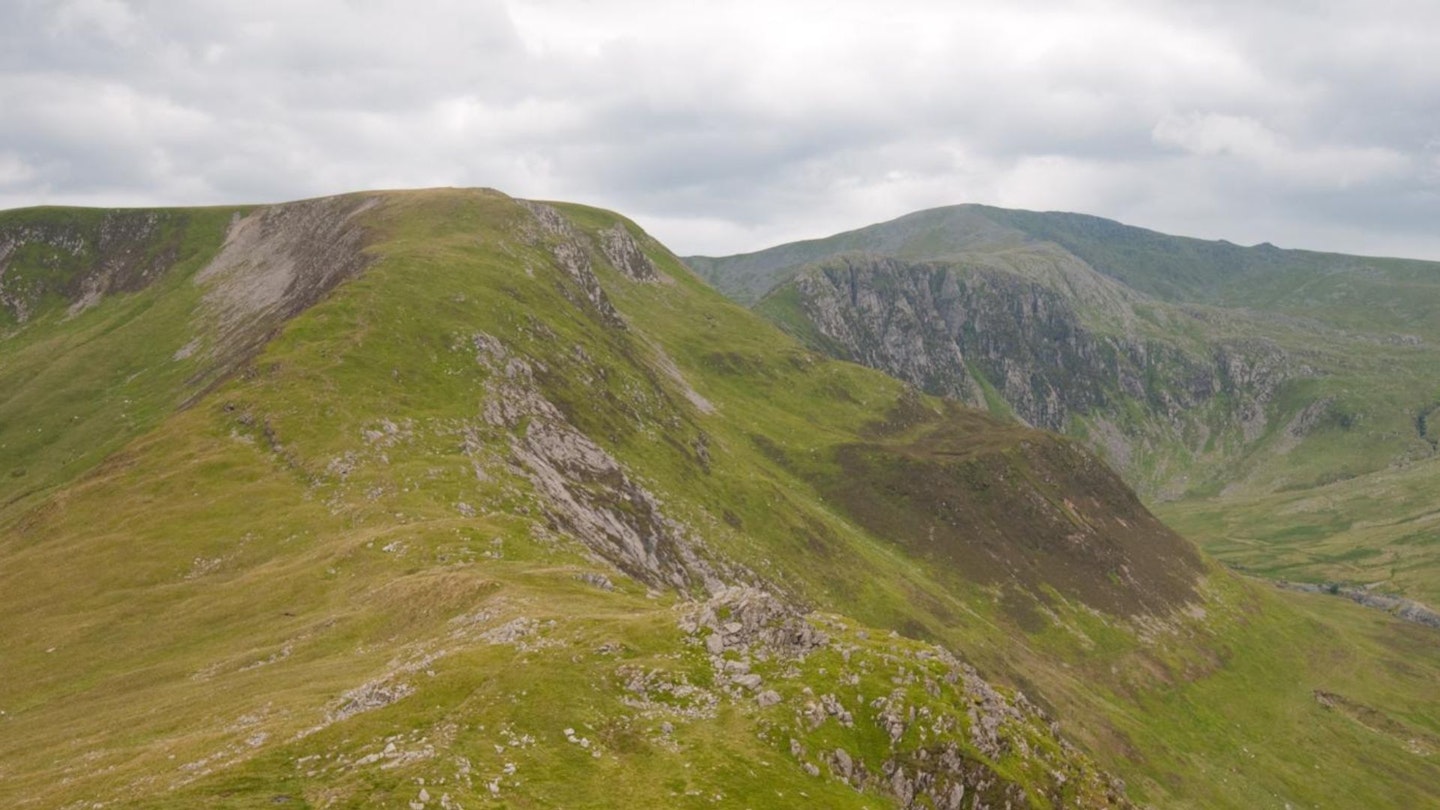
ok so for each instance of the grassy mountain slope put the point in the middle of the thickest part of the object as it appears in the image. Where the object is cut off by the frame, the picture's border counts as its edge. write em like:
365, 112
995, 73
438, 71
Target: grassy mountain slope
1350, 292
515, 511
928, 234
1346, 291
1204, 371
90, 371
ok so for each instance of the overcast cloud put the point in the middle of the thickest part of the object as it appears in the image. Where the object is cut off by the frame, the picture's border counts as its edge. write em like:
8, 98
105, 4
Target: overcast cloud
729, 126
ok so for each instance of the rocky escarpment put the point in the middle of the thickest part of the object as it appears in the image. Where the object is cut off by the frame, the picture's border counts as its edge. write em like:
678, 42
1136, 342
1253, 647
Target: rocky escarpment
572, 249
979, 333
74, 258
586, 492
274, 262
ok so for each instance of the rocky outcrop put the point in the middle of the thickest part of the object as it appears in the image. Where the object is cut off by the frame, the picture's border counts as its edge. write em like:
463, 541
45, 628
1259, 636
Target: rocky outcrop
625, 254
588, 494
745, 619
951, 774
571, 250
944, 730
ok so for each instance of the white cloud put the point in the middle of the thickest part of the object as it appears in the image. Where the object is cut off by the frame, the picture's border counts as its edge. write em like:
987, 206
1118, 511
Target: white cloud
1212, 135
14, 171
725, 126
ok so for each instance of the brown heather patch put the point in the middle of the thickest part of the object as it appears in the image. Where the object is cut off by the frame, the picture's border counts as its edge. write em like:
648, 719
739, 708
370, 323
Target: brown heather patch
1003, 505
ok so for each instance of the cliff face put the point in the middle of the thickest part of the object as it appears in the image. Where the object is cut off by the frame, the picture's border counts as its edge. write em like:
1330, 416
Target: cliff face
989, 336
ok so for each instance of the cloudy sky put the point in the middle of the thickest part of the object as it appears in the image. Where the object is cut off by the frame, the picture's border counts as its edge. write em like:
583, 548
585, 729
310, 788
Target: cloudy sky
728, 126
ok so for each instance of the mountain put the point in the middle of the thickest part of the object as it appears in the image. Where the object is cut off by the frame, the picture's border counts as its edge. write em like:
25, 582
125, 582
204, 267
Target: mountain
1209, 374
447, 499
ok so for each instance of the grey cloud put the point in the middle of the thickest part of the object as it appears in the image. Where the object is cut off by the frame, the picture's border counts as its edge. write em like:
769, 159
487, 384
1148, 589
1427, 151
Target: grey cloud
725, 126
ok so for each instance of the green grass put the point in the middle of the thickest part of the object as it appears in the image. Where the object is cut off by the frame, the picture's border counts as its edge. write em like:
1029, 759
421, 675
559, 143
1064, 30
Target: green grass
76, 388
183, 618
1377, 529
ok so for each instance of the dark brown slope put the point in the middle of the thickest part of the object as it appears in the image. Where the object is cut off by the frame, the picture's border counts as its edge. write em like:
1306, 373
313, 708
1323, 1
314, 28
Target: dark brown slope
1019, 509
1028, 513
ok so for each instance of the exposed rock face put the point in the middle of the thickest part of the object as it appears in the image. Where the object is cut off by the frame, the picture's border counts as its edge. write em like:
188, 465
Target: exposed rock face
81, 261
954, 329
589, 494
855, 304
276, 263
626, 256
572, 254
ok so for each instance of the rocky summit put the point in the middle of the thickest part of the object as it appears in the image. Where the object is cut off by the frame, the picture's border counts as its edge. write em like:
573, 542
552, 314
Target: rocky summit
444, 499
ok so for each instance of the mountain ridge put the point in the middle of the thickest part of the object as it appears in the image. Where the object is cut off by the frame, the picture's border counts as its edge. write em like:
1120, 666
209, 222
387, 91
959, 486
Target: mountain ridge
523, 512
986, 228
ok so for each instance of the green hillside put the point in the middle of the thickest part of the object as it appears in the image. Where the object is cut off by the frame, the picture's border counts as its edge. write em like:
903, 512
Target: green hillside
1237, 388
445, 499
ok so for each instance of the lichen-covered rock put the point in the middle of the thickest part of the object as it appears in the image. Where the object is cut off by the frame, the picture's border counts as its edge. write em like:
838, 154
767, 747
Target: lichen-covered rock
743, 618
